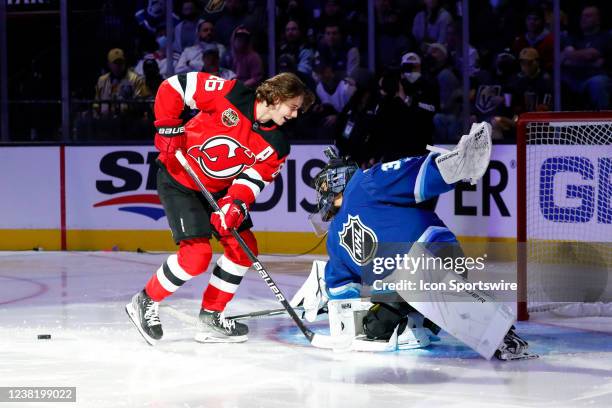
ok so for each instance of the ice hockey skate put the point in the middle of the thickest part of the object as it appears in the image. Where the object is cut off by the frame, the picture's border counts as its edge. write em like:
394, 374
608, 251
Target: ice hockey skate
514, 348
214, 327
144, 313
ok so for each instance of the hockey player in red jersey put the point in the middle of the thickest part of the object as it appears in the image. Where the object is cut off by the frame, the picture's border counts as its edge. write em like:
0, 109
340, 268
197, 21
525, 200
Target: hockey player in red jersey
236, 146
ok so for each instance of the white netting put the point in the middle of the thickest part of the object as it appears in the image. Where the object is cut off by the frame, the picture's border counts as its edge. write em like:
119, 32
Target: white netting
569, 214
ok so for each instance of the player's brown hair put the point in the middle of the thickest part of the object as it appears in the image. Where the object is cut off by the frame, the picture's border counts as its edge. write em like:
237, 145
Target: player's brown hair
282, 87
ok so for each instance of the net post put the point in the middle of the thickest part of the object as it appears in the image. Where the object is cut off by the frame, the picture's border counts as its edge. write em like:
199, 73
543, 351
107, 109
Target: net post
521, 217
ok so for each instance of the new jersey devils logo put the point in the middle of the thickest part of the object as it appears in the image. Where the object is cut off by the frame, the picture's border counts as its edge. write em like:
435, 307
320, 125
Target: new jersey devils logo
222, 157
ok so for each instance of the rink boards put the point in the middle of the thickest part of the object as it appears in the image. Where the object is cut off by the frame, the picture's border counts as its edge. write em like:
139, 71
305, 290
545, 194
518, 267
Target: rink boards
104, 197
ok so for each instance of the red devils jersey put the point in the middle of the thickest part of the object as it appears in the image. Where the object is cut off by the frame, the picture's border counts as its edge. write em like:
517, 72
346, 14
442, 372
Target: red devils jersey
225, 146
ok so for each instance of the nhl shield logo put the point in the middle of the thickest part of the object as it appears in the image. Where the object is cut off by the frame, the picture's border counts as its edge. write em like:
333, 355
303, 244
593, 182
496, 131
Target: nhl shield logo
358, 240
229, 117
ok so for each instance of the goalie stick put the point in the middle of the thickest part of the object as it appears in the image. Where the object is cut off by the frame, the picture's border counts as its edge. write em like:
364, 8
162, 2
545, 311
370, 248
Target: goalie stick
270, 312
317, 340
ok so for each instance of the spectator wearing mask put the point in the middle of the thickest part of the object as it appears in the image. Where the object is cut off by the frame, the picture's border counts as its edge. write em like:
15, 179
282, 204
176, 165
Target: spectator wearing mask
429, 25
334, 51
243, 59
586, 57
420, 94
537, 36
210, 63
294, 45
186, 32
191, 58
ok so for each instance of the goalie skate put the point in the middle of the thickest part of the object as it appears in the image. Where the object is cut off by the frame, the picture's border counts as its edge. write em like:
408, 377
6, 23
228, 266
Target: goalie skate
514, 348
214, 327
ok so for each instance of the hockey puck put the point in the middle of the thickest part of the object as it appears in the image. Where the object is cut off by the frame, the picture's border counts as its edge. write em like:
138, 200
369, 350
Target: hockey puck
44, 337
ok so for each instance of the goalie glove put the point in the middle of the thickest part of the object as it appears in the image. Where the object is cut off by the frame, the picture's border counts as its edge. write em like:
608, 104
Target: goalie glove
470, 158
313, 293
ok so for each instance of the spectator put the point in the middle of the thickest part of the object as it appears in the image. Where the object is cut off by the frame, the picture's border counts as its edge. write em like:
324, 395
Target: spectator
335, 52
121, 83
191, 58
391, 42
439, 69
447, 122
159, 55
356, 123
242, 59
287, 63
152, 76
533, 88
537, 36
114, 114
332, 90
186, 32
429, 25
420, 94
210, 63
454, 46
490, 92
585, 58
153, 17
393, 140
234, 15
293, 45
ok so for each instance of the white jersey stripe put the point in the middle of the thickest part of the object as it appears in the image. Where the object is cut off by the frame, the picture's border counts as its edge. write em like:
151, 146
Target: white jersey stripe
176, 269
174, 82
222, 285
192, 81
419, 185
231, 267
166, 284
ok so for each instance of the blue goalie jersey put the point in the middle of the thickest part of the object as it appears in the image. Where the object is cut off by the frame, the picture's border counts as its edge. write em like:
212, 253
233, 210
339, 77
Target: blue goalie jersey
381, 215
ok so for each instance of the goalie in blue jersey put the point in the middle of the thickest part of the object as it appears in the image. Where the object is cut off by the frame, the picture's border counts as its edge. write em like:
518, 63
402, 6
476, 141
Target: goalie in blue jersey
365, 210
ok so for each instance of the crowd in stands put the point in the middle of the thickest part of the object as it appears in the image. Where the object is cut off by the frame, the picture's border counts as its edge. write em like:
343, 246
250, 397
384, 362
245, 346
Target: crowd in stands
415, 94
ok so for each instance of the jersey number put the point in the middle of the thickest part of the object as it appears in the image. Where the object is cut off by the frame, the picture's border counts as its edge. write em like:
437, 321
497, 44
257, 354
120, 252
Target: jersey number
394, 165
213, 83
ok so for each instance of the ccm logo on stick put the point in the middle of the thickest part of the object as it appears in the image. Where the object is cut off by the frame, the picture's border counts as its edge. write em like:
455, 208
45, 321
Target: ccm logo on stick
573, 189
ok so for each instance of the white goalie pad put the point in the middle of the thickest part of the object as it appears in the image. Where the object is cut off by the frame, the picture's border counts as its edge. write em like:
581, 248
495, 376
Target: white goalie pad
469, 159
312, 296
471, 316
346, 319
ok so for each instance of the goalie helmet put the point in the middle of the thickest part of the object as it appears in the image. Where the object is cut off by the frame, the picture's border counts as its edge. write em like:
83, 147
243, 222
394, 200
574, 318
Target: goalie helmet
328, 183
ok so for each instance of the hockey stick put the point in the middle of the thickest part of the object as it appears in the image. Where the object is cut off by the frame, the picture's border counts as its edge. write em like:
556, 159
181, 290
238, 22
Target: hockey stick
315, 339
270, 312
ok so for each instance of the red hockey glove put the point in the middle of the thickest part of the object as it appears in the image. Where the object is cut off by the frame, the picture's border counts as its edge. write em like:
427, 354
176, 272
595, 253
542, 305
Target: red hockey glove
170, 136
233, 212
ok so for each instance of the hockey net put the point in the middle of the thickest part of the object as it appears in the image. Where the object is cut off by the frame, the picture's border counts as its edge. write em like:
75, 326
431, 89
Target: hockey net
564, 213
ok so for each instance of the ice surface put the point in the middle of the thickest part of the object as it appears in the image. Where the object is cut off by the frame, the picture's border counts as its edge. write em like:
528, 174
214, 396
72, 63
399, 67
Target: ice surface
79, 298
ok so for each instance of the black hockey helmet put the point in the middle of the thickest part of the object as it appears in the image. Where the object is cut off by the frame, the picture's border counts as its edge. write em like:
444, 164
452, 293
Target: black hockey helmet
328, 183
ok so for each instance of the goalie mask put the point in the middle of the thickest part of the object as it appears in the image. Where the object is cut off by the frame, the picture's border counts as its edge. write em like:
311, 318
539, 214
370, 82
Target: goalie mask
329, 183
